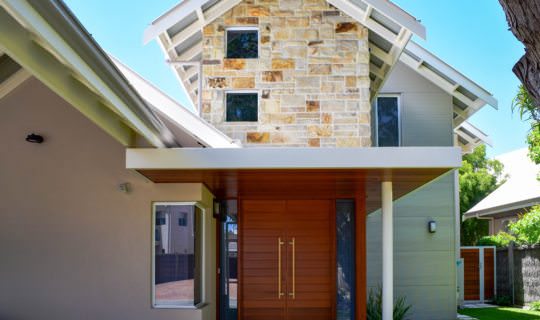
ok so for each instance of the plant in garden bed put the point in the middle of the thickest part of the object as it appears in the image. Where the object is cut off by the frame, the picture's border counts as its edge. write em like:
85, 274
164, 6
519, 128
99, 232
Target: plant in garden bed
374, 306
502, 239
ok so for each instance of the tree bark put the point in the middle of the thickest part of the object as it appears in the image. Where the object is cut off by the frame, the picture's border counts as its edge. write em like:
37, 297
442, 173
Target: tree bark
523, 18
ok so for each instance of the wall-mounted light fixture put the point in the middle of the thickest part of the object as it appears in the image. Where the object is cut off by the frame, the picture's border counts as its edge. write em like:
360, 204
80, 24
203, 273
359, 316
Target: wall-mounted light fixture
220, 210
34, 138
432, 226
124, 187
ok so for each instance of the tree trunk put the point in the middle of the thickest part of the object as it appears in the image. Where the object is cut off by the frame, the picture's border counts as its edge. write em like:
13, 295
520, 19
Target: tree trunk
523, 17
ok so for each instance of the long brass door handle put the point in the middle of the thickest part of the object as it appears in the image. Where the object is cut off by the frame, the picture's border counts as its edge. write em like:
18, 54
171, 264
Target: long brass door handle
292, 294
280, 293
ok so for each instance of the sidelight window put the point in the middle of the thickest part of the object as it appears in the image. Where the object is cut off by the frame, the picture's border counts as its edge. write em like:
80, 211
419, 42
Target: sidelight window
177, 255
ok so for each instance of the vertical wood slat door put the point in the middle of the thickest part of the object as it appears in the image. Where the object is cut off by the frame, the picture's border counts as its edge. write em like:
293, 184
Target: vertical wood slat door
471, 273
307, 267
310, 223
489, 273
261, 225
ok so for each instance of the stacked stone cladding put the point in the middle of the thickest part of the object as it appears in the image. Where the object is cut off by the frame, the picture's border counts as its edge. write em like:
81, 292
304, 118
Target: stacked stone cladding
312, 75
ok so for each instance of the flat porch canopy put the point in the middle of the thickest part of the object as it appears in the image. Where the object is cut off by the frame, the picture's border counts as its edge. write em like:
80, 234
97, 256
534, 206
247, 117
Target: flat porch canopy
297, 172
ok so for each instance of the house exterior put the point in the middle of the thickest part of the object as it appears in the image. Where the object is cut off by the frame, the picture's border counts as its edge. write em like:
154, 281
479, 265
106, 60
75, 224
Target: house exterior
319, 164
515, 196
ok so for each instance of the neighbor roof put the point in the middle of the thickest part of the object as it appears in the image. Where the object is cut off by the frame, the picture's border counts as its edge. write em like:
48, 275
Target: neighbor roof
521, 190
179, 33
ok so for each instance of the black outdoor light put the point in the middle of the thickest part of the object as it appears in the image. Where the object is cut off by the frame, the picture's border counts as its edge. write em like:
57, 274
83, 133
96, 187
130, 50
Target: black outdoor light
432, 226
34, 138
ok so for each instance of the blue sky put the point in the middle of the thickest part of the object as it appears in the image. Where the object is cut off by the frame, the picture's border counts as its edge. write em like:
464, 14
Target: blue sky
472, 36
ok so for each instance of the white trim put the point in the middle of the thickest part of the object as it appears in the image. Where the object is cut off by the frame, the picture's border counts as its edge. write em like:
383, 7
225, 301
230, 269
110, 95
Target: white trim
482, 273
399, 110
13, 82
294, 158
399, 16
202, 253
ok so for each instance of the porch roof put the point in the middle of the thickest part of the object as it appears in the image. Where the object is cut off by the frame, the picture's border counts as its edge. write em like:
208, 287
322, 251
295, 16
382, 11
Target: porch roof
298, 172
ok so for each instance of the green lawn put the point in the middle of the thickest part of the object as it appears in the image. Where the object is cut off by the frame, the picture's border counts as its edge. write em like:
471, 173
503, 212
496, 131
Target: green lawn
501, 314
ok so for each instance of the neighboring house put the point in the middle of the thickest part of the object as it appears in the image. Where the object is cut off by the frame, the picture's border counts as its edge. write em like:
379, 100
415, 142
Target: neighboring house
325, 149
515, 196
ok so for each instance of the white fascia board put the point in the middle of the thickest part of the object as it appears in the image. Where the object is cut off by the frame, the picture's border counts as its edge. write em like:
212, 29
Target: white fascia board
185, 119
452, 73
23, 12
475, 131
399, 16
294, 158
170, 18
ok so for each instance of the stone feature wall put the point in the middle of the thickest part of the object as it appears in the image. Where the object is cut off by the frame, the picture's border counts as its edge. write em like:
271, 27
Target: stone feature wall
312, 75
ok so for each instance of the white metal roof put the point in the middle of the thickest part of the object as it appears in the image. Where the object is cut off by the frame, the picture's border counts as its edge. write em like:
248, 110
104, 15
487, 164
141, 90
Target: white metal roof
186, 123
179, 33
521, 190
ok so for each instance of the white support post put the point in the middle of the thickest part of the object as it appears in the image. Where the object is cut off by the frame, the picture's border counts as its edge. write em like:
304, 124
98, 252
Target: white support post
387, 251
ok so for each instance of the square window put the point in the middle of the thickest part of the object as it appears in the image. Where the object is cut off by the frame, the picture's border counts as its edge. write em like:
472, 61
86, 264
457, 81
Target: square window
243, 44
388, 122
177, 258
242, 106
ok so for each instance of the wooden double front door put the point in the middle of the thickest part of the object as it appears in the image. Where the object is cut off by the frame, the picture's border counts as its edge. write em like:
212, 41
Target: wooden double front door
287, 260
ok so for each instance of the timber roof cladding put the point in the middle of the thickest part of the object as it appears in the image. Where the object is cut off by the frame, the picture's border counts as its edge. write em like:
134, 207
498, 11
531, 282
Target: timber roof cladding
179, 32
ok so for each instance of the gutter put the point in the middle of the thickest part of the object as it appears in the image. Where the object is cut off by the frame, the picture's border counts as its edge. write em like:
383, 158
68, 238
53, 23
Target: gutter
64, 22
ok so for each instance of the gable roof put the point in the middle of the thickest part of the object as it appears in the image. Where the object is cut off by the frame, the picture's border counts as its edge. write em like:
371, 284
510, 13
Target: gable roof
469, 137
179, 33
189, 129
521, 189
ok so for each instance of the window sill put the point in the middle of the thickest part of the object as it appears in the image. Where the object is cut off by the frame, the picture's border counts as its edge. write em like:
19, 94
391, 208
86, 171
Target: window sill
201, 305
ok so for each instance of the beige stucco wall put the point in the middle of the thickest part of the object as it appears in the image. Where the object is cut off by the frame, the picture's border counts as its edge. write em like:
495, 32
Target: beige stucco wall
71, 245
312, 75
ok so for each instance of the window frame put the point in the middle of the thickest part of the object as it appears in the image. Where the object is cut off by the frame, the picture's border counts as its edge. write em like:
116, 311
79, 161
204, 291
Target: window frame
202, 253
399, 112
227, 92
243, 28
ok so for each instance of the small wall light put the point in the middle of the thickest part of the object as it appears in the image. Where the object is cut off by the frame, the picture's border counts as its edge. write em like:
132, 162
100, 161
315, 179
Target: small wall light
220, 210
432, 226
124, 187
34, 138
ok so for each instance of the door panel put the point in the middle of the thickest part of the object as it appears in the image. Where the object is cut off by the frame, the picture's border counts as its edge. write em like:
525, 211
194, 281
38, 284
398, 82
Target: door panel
489, 274
307, 268
261, 225
471, 274
310, 223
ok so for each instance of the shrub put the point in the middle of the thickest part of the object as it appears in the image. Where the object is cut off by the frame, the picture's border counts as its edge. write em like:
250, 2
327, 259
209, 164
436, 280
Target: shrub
374, 306
503, 301
501, 239
527, 228
535, 306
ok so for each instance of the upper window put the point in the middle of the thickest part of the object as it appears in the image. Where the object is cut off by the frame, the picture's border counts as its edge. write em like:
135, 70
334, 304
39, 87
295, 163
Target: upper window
242, 106
388, 121
243, 43
177, 260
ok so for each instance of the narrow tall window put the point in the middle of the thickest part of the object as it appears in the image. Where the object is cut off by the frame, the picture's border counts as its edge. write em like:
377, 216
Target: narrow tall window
388, 122
243, 43
241, 106
346, 256
177, 260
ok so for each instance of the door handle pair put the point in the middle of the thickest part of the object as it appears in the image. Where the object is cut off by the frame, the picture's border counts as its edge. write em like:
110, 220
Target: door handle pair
292, 243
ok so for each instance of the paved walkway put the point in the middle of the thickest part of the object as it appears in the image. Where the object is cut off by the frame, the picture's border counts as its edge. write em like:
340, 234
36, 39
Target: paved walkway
464, 317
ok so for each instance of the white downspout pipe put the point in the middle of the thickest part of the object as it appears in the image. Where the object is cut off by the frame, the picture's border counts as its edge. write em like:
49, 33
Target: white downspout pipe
387, 251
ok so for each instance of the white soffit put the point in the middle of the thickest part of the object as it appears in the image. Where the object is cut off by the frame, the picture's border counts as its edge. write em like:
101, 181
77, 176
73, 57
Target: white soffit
179, 33
191, 124
294, 158
467, 96
469, 137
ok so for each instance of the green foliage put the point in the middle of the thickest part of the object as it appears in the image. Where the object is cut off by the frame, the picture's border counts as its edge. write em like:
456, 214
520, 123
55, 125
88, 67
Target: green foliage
478, 177
503, 301
502, 239
374, 306
524, 104
535, 306
527, 228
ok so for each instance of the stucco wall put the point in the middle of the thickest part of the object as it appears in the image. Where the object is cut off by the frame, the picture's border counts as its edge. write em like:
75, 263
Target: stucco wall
312, 75
424, 263
72, 245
